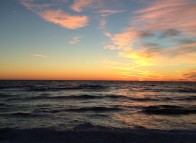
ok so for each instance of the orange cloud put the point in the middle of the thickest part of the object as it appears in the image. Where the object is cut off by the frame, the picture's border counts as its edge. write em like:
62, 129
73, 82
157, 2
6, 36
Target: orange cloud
140, 57
63, 19
189, 75
79, 5
58, 17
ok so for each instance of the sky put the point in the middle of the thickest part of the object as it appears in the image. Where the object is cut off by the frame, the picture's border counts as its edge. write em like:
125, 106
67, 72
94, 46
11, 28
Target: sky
136, 40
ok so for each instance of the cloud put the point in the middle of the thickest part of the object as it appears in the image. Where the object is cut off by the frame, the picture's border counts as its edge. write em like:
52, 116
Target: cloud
160, 19
74, 40
125, 40
149, 54
79, 5
40, 56
170, 33
185, 41
168, 14
27, 4
102, 23
107, 34
30, 4
59, 17
190, 75
145, 34
104, 13
140, 57
63, 19
107, 12
36, 5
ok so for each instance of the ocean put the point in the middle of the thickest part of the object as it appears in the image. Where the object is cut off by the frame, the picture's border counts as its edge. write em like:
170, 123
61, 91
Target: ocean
101, 109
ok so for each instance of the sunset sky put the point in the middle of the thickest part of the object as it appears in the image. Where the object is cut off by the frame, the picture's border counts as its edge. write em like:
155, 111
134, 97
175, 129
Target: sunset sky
98, 39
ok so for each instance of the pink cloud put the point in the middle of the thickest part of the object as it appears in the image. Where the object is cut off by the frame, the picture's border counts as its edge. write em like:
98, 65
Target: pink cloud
124, 40
107, 34
34, 6
102, 23
58, 17
104, 13
168, 14
79, 5
27, 4
107, 12
63, 19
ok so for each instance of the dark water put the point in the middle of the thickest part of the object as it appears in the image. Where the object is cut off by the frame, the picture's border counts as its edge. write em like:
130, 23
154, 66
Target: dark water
70, 105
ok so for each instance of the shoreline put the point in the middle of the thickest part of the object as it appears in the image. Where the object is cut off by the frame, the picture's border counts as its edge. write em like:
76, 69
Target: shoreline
89, 134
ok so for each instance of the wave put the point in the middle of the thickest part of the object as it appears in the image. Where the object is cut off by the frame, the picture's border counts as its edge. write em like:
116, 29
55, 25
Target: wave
2, 95
92, 87
87, 97
93, 134
23, 114
46, 97
187, 90
4, 105
189, 98
95, 109
144, 99
84, 96
79, 87
82, 109
10, 86
168, 110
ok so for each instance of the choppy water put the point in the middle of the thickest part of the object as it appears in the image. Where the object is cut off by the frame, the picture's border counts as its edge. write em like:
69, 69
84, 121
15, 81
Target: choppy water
66, 104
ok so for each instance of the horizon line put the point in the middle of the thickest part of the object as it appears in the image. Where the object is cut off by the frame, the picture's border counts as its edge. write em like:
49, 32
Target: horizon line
95, 80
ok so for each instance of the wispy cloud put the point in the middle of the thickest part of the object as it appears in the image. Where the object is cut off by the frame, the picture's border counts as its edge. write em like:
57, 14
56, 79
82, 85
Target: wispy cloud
104, 13
102, 23
39, 55
59, 17
79, 5
107, 12
189, 75
63, 19
74, 40
168, 14
32, 5
107, 34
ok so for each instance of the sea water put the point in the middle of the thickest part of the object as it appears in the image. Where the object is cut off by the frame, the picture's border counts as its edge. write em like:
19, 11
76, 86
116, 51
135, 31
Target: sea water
68, 105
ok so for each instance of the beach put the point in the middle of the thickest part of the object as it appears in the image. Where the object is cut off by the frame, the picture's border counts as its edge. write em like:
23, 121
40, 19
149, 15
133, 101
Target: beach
96, 135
